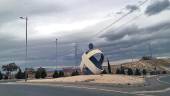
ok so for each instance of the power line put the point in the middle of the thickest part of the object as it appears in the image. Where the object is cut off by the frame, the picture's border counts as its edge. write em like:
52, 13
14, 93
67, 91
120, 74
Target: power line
110, 25
119, 19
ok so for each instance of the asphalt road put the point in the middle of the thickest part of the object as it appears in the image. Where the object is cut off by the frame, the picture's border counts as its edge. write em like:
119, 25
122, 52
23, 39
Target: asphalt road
157, 86
36, 90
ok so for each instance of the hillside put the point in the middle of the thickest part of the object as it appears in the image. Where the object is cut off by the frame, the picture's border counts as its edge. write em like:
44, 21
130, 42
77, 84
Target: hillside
150, 65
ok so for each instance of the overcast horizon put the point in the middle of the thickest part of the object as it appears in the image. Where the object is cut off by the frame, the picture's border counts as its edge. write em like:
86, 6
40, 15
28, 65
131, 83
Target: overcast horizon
136, 24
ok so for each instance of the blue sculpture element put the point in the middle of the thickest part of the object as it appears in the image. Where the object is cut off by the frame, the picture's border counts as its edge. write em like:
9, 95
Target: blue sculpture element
91, 46
92, 61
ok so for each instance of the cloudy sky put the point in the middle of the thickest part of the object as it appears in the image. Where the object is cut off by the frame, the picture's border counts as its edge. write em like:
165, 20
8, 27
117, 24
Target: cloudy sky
121, 28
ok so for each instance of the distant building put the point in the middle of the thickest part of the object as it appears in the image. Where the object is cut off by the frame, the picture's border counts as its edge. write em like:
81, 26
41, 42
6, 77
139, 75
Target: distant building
68, 71
30, 72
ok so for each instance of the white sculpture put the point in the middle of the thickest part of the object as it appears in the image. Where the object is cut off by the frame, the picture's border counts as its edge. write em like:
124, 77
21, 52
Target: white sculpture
91, 63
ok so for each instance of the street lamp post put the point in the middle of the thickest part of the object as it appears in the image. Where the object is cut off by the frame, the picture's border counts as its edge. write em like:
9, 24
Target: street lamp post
56, 54
26, 44
76, 47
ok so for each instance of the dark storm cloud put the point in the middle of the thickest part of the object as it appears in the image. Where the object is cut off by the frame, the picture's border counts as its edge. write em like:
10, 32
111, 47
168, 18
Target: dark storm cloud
157, 7
137, 40
11, 10
132, 8
135, 30
42, 50
120, 33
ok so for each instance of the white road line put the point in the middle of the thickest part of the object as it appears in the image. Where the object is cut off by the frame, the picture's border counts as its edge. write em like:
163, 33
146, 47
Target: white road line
68, 86
139, 93
158, 79
156, 91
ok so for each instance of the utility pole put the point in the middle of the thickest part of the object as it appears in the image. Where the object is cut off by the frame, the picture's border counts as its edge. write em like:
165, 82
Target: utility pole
76, 47
56, 53
26, 45
150, 50
132, 60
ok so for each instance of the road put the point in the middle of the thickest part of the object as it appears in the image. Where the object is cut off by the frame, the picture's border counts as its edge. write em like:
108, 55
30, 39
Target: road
157, 87
36, 90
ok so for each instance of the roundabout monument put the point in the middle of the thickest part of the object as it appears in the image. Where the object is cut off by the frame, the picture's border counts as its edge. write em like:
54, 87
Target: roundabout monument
92, 61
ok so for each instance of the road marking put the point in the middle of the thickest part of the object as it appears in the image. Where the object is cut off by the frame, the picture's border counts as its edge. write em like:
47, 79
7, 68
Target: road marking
139, 93
158, 79
144, 95
93, 88
79, 87
156, 91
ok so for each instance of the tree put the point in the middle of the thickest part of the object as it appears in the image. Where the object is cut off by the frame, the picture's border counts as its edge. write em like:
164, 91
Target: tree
137, 72
5, 77
164, 72
117, 71
1, 76
104, 72
9, 68
152, 73
40, 73
144, 71
43, 73
130, 71
75, 73
146, 58
37, 75
109, 67
122, 70
61, 74
20, 74
55, 74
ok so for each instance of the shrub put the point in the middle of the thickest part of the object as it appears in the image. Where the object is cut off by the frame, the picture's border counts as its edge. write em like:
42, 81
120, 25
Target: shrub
164, 72
122, 71
146, 58
40, 73
144, 71
61, 74
9, 68
158, 72
43, 73
1, 76
56, 74
117, 71
20, 75
137, 72
104, 72
152, 73
75, 73
37, 75
130, 71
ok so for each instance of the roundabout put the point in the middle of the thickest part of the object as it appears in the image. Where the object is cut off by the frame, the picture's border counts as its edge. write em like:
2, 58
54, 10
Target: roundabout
155, 86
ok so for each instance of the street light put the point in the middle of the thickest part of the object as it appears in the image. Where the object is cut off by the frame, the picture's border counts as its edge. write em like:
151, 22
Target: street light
56, 54
26, 20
